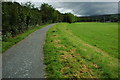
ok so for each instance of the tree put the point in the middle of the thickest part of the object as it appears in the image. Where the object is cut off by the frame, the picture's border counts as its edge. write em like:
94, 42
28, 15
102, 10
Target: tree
68, 17
19, 18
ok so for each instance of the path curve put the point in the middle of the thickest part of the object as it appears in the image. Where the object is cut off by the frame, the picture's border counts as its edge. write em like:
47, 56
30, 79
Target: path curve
25, 59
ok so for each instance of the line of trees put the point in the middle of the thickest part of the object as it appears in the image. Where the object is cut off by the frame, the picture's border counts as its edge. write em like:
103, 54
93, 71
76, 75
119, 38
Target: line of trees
101, 18
17, 18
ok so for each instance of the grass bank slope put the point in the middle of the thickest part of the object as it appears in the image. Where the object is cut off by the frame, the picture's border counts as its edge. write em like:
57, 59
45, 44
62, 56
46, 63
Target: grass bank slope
75, 51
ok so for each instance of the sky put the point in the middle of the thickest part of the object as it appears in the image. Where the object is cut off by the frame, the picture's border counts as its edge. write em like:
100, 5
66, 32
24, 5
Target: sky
80, 7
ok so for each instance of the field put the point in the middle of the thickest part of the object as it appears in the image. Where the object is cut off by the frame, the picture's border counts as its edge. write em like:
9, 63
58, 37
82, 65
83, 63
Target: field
82, 50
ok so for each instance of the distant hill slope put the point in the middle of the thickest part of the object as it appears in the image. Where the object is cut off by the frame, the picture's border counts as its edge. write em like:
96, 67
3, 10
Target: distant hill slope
101, 18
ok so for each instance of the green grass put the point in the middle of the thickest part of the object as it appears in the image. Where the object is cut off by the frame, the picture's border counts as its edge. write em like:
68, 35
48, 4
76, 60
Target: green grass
12, 41
101, 35
78, 50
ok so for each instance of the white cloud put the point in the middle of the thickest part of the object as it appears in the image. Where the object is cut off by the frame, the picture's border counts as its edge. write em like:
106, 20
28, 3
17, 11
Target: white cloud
79, 15
64, 10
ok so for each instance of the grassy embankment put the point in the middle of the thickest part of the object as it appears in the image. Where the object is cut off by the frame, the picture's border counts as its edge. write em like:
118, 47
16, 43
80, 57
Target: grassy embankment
82, 50
12, 41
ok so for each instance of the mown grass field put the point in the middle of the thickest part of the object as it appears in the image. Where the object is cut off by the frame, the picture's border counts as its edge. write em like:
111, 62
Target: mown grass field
82, 50
12, 41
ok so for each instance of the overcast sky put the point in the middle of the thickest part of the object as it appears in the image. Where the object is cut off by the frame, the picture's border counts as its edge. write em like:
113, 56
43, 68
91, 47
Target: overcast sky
80, 8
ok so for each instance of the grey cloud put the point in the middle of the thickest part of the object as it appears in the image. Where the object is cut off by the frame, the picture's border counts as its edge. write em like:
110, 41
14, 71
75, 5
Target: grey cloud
88, 8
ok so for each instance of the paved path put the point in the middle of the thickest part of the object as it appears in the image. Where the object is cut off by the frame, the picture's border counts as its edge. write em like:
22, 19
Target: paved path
25, 59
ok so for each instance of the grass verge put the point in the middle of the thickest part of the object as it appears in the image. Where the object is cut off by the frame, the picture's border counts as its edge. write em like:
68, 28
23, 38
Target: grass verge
68, 56
12, 41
